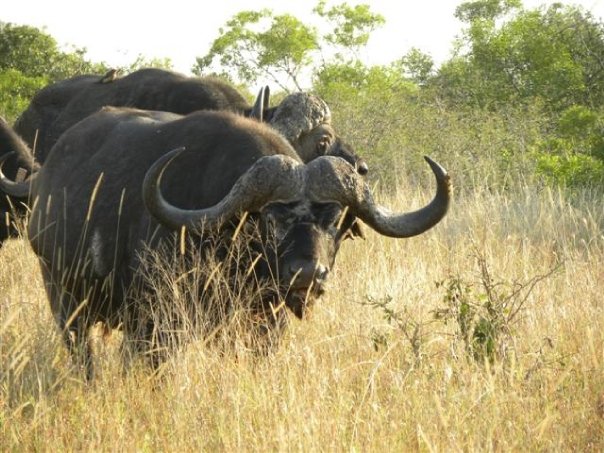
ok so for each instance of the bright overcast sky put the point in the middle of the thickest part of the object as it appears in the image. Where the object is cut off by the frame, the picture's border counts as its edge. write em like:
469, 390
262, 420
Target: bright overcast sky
116, 31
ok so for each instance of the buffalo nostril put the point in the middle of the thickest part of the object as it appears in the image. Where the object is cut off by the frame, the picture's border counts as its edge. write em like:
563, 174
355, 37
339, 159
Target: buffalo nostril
320, 273
304, 274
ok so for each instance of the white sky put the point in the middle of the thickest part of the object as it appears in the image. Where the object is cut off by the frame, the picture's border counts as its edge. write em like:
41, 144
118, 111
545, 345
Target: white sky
116, 31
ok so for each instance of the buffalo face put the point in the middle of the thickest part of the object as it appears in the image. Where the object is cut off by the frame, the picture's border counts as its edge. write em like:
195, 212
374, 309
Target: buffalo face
307, 238
323, 141
305, 121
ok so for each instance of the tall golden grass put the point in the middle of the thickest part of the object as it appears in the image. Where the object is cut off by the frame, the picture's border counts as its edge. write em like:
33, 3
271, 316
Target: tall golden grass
372, 369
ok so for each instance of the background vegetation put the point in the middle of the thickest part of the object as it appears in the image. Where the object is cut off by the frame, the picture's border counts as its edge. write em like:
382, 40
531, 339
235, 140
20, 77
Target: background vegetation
485, 333
529, 83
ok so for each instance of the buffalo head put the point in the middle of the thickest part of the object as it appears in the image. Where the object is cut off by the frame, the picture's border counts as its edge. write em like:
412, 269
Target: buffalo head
305, 121
303, 207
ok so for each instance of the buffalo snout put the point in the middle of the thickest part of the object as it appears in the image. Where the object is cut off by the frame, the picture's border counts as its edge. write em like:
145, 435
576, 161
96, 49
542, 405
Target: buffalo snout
305, 279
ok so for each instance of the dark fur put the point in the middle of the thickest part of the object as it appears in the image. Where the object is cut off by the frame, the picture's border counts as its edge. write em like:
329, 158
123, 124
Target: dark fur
98, 260
59, 106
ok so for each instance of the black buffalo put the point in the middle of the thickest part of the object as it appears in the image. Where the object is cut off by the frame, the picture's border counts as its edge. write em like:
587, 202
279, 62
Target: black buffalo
57, 107
95, 212
304, 119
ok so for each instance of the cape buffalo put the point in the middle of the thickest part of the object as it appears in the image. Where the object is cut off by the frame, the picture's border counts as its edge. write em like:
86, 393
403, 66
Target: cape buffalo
95, 212
304, 119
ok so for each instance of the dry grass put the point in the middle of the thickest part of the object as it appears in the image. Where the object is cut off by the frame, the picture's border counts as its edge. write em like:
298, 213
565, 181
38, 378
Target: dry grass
349, 378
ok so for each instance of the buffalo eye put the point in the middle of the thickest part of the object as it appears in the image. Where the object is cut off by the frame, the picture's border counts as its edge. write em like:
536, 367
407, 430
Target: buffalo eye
278, 214
274, 225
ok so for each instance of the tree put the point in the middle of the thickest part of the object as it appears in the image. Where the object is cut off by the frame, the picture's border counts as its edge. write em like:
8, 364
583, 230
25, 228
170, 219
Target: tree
36, 54
485, 9
29, 60
554, 55
416, 65
260, 43
351, 25
16, 90
282, 47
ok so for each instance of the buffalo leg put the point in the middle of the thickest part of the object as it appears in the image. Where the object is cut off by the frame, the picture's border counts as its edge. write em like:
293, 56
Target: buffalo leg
140, 335
71, 318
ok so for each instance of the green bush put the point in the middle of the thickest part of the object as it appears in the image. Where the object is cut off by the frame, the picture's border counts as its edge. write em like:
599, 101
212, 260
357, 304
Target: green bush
572, 153
571, 169
16, 90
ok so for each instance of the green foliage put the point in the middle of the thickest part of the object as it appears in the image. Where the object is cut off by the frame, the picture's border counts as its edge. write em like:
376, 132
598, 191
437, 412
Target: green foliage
29, 60
287, 44
16, 90
555, 55
260, 43
485, 9
548, 58
36, 54
570, 169
572, 154
256, 43
370, 106
392, 122
583, 130
351, 25
417, 66
26, 49
577, 122
360, 80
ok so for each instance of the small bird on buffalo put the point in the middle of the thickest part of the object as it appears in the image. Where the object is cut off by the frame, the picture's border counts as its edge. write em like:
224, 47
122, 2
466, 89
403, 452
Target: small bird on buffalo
110, 76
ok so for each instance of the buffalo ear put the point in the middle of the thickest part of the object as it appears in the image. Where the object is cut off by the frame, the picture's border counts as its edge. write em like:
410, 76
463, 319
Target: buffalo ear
356, 230
258, 108
351, 228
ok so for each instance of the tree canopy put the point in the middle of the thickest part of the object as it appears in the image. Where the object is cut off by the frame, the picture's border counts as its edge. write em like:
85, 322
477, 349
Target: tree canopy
554, 55
282, 47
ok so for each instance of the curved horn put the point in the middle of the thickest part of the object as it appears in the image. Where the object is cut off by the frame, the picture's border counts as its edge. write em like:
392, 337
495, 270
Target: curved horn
259, 106
271, 178
335, 179
12, 188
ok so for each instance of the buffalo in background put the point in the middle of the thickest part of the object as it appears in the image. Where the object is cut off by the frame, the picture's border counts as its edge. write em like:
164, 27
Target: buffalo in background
133, 189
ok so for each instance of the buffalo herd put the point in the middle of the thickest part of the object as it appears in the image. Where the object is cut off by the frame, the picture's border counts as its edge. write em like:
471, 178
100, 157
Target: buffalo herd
111, 168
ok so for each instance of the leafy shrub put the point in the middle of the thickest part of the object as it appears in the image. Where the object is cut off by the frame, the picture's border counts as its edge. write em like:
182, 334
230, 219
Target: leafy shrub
570, 169
16, 90
572, 154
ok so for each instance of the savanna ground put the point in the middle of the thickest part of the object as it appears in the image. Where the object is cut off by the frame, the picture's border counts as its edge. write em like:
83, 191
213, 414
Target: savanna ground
486, 333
